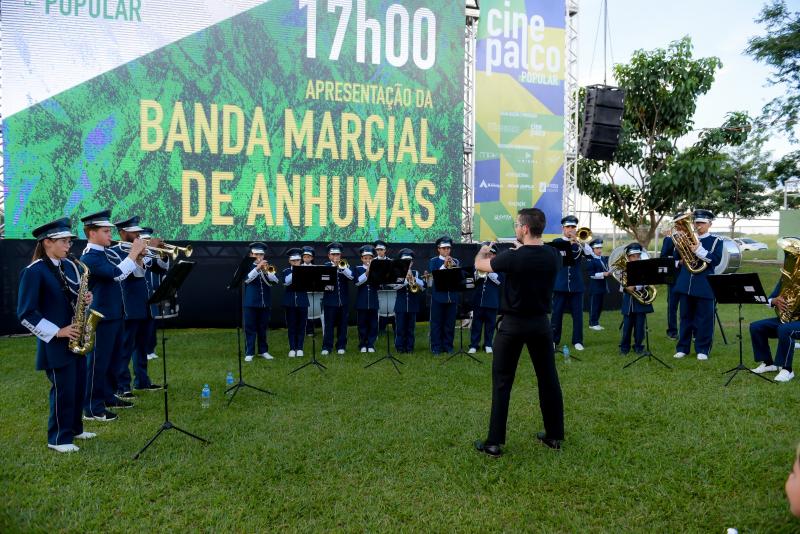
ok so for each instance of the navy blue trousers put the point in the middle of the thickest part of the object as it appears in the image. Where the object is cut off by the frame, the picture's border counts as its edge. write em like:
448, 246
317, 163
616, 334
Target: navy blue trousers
367, 328
335, 318
405, 323
697, 320
443, 326
256, 321
101, 366
150, 346
633, 323
67, 387
672, 311
595, 308
296, 326
573, 303
134, 347
764, 330
483, 321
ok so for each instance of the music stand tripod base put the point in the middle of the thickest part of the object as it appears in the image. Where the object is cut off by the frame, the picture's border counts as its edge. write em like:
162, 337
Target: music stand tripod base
387, 272
168, 291
313, 279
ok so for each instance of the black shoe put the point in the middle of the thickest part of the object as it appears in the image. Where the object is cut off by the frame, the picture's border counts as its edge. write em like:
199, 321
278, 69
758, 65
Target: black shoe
119, 403
672, 336
552, 443
125, 395
105, 416
151, 387
490, 450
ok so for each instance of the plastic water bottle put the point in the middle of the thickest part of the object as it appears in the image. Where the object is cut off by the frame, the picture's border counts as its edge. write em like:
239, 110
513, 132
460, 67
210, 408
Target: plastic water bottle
565, 351
229, 379
205, 396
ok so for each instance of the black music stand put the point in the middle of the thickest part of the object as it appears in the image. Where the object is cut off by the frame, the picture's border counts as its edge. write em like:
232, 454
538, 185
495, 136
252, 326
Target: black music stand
744, 288
311, 278
452, 280
167, 291
245, 266
651, 272
387, 272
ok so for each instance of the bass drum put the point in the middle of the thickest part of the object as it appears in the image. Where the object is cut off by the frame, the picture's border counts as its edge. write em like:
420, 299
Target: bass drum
731, 257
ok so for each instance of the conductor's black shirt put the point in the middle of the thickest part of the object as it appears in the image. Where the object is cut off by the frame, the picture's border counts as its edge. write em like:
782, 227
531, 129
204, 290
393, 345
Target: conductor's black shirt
530, 275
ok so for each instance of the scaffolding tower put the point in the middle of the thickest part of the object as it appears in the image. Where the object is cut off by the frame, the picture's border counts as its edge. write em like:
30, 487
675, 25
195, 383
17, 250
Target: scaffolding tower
468, 199
571, 107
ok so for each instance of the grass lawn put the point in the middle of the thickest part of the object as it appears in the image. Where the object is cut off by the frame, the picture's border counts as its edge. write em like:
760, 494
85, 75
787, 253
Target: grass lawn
648, 449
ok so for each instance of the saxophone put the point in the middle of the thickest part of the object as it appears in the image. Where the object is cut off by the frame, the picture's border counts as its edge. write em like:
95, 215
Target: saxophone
85, 318
790, 279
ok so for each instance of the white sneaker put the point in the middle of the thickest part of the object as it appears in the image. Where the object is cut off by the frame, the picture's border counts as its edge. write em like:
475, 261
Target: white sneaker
152, 356
340, 351
489, 350
363, 349
267, 356
797, 344
578, 346
764, 368
370, 349
784, 376
67, 447
299, 353
701, 356
248, 358
292, 353
597, 327
86, 435
472, 350
325, 353
679, 355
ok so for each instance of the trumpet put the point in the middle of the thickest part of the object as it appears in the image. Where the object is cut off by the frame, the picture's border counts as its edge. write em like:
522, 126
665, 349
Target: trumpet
267, 268
170, 251
450, 262
343, 264
413, 286
583, 235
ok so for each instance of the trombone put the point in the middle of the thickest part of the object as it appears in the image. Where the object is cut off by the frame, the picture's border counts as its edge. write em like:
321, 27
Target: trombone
583, 235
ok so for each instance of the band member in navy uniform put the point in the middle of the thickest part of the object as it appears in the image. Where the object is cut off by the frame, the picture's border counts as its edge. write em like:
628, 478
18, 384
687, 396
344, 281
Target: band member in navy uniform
696, 297
764, 330
668, 251
257, 303
336, 303
406, 306
366, 303
137, 314
153, 275
597, 268
45, 306
380, 254
633, 312
104, 281
568, 292
295, 304
444, 304
485, 302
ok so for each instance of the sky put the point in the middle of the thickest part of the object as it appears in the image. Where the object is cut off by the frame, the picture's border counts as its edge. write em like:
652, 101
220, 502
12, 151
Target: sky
718, 28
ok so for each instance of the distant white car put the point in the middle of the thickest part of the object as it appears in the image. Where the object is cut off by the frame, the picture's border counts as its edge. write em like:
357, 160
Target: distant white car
745, 243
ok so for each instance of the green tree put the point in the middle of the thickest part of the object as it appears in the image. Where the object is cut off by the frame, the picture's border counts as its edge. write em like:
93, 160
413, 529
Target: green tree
741, 191
780, 48
650, 175
785, 170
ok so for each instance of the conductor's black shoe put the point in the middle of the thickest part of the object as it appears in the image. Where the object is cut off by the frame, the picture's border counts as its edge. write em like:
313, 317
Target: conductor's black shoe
552, 443
491, 450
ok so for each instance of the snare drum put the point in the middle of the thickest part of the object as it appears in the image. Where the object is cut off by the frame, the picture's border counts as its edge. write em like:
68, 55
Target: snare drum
315, 305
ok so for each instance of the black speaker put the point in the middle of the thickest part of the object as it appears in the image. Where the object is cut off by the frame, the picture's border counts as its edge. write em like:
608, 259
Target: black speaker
602, 117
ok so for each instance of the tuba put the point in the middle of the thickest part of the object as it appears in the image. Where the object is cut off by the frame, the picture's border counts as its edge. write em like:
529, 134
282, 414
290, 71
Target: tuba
685, 239
790, 279
85, 318
617, 264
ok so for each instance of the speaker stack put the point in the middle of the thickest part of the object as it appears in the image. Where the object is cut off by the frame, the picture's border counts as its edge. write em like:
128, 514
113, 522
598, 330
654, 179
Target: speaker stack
602, 119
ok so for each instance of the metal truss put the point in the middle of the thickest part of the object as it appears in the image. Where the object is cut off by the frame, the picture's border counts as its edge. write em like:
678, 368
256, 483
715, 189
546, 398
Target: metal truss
571, 107
468, 199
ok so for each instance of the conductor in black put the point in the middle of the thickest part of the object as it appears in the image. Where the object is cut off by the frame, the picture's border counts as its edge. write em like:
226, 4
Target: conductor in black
530, 269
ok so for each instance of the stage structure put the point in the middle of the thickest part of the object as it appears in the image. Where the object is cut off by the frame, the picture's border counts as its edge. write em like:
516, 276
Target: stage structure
235, 120
470, 36
520, 129
571, 110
